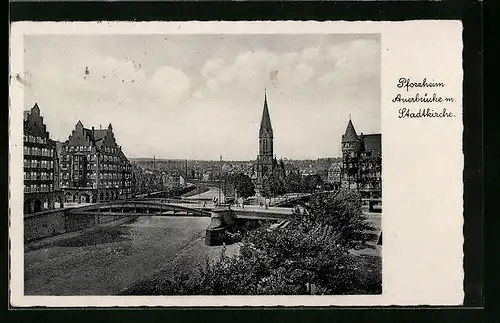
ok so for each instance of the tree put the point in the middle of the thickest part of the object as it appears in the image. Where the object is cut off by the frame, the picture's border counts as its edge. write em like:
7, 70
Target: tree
310, 183
272, 186
271, 262
292, 183
342, 211
242, 184
311, 251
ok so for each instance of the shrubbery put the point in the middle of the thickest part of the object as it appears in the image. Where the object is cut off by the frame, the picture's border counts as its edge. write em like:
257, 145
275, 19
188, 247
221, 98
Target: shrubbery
342, 211
293, 260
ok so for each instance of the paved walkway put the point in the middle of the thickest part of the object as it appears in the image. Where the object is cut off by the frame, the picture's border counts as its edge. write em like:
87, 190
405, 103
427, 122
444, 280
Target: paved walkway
213, 192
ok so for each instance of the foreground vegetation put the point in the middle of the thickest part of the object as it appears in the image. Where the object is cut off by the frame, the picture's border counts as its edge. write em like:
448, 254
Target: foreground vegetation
309, 256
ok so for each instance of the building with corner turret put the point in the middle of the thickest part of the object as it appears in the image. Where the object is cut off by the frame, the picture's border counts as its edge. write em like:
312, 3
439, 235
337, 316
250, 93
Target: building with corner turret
362, 162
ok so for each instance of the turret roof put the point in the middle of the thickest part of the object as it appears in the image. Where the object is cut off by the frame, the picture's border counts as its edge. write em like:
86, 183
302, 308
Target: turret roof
350, 133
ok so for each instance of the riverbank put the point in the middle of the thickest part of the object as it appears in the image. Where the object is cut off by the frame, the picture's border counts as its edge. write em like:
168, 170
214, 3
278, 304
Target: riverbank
108, 260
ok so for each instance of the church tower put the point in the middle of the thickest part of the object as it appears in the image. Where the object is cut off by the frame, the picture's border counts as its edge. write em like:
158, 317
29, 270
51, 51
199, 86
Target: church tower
265, 163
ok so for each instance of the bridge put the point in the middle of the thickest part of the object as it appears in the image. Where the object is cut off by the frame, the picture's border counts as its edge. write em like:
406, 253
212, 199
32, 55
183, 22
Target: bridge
175, 207
374, 204
290, 198
142, 208
222, 216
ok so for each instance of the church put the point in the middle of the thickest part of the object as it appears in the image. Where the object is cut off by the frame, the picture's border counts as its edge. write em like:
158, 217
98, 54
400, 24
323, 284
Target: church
266, 162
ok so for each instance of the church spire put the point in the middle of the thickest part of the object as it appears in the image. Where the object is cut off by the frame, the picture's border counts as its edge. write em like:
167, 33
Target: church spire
265, 124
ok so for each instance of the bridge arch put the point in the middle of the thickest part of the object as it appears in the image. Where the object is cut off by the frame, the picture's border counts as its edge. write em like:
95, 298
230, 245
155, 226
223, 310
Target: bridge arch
28, 206
37, 205
58, 203
50, 203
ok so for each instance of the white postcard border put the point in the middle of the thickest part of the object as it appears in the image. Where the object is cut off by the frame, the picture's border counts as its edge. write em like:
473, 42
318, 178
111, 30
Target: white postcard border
422, 252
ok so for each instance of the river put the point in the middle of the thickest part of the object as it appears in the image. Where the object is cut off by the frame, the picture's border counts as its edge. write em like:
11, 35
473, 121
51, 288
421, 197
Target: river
109, 259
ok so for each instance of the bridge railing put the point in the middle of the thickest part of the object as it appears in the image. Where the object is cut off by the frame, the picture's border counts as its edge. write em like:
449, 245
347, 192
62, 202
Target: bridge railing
138, 204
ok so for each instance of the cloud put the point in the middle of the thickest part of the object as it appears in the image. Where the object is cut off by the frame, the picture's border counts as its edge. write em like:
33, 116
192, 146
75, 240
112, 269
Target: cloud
212, 67
302, 73
346, 66
310, 53
212, 103
355, 68
169, 84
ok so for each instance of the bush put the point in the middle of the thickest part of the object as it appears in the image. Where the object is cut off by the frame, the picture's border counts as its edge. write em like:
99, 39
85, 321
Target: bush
342, 211
313, 250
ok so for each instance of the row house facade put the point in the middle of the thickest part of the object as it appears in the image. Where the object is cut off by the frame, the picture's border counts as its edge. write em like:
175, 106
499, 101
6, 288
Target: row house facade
41, 173
334, 174
93, 167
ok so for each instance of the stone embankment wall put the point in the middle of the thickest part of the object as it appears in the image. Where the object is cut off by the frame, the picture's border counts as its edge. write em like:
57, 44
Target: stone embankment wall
53, 222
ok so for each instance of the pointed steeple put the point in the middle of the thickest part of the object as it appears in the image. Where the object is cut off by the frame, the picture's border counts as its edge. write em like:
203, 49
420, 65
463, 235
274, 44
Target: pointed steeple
110, 127
36, 109
265, 124
350, 132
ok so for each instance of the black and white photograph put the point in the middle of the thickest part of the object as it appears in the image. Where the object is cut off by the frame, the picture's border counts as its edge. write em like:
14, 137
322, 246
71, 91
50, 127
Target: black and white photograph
188, 161
202, 164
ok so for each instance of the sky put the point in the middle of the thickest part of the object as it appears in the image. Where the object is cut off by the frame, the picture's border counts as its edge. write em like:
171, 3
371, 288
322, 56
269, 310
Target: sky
201, 96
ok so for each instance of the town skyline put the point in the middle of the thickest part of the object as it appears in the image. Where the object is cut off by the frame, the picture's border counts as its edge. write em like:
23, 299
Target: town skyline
196, 111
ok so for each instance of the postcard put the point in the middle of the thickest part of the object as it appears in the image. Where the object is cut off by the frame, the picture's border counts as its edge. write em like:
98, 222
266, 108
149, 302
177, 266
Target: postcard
257, 163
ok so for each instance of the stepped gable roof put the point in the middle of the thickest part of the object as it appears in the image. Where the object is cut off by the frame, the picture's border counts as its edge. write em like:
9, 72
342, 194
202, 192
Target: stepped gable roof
350, 133
265, 124
98, 136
